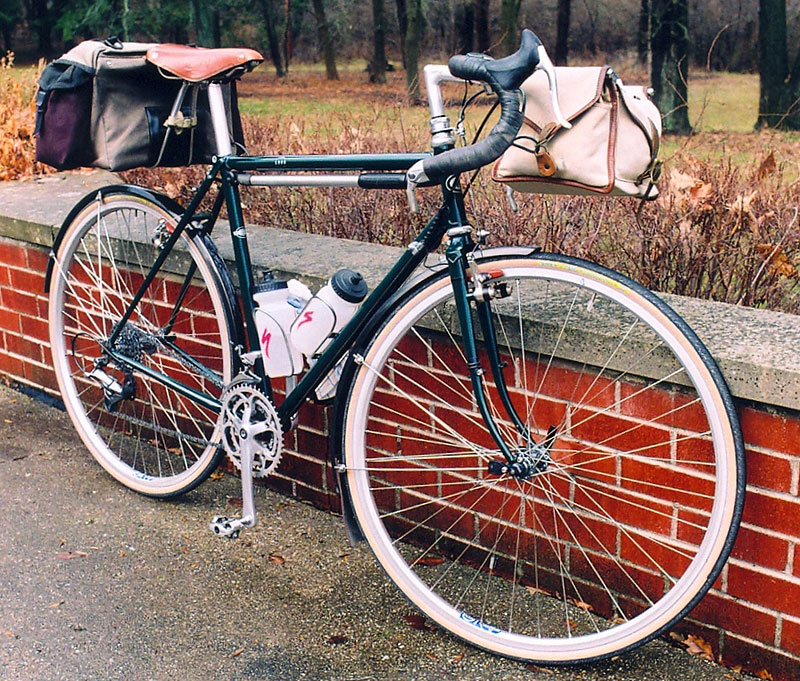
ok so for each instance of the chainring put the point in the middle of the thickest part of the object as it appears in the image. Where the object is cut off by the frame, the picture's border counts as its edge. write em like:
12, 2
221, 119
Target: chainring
248, 414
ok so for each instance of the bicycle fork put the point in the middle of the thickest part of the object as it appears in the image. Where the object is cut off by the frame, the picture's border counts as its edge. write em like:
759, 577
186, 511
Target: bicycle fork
528, 457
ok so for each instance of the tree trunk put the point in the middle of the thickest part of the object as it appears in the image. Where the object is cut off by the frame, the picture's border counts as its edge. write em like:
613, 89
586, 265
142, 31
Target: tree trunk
779, 101
287, 34
43, 27
642, 47
204, 23
402, 24
377, 67
508, 23
562, 32
268, 12
482, 25
669, 47
465, 27
325, 36
413, 40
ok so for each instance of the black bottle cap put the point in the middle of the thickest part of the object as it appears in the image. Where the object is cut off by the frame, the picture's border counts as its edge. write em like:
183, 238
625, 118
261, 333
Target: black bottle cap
270, 283
349, 286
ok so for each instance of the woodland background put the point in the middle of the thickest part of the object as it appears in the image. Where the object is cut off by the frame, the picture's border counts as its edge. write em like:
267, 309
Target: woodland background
341, 76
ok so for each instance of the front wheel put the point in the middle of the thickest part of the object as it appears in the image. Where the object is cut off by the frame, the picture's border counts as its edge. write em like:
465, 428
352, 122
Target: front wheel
631, 492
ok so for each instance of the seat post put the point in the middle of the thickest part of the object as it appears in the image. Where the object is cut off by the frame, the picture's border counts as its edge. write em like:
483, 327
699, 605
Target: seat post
219, 120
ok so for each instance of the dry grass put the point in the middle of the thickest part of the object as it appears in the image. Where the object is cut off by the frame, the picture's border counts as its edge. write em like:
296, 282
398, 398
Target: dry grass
17, 116
725, 227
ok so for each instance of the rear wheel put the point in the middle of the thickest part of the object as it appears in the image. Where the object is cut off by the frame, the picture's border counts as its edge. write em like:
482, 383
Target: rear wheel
147, 432
630, 494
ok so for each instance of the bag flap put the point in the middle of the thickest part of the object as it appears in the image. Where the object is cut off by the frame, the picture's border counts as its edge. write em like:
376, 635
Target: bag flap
578, 88
61, 75
643, 112
89, 51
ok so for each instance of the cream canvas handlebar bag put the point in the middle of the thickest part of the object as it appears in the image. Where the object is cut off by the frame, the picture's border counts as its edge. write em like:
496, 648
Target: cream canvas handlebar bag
612, 147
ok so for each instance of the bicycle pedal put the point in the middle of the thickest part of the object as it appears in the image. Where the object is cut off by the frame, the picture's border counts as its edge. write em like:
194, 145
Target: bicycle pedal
224, 526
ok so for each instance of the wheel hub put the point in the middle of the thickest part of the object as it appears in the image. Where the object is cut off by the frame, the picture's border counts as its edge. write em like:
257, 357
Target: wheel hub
529, 459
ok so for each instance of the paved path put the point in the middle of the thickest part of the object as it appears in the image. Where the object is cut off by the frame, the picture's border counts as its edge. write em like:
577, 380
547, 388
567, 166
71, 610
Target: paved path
98, 583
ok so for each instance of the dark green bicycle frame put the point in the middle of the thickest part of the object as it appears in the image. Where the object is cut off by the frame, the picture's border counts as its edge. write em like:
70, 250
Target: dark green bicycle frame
379, 171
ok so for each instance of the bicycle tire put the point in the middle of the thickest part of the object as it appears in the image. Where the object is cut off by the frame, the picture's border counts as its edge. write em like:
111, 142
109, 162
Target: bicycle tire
625, 522
158, 442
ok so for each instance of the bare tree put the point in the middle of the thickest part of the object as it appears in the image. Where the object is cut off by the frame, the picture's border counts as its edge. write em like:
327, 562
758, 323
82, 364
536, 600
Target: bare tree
271, 29
402, 24
464, 20
669, 47
642, 42
779, 103
482, 25
325, 36
413, 42
509, 11
377, 67
206, 19
562, 31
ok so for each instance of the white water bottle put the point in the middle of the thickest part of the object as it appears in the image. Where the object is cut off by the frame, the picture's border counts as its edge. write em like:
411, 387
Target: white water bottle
278, 305
328, 311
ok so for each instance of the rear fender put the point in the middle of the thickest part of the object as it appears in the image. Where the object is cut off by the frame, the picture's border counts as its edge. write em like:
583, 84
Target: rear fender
160, 200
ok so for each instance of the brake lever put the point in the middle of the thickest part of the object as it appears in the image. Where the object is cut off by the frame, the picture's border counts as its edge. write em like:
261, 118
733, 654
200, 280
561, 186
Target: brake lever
547, 66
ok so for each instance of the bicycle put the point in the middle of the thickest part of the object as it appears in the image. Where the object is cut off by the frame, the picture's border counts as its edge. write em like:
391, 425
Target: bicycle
540, 452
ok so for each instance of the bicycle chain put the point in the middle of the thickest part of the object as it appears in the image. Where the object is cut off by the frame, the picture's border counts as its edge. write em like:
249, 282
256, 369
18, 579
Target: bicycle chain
164, 347
165, 431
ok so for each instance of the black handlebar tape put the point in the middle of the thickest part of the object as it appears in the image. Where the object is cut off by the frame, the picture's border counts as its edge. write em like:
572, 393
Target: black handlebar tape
504, 76
509, 72
463, 159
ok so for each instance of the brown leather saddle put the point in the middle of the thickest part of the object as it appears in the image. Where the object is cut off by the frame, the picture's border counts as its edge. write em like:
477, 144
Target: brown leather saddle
198, 64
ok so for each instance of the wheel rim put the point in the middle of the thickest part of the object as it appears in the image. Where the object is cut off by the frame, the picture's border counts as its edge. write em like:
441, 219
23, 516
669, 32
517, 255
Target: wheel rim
545, 541
161, 442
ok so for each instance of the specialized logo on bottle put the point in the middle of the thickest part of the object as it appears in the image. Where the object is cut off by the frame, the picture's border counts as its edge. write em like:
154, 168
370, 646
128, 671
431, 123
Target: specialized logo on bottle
266, 337
306, 318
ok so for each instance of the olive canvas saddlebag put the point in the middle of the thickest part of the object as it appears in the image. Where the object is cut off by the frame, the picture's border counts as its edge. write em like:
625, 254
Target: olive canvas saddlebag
102, 104
611, 148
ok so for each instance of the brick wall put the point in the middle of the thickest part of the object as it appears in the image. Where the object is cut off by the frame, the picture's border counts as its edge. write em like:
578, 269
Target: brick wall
751, 617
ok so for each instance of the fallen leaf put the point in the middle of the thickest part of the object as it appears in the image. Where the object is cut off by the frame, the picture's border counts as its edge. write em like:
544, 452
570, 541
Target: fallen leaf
571, 624
417, 622
78, 627
533, 590
276, 558
583, 605
217, 475
537, 668
764, 674
237, 652
7, 634
697, 646
679, 181
69, 555
430, 559
338, 639
767, 167
56, 604
235, 501
457, 658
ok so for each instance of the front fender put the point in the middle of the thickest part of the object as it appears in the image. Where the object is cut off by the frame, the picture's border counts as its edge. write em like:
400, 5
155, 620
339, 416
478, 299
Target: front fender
160, 200
416, 282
